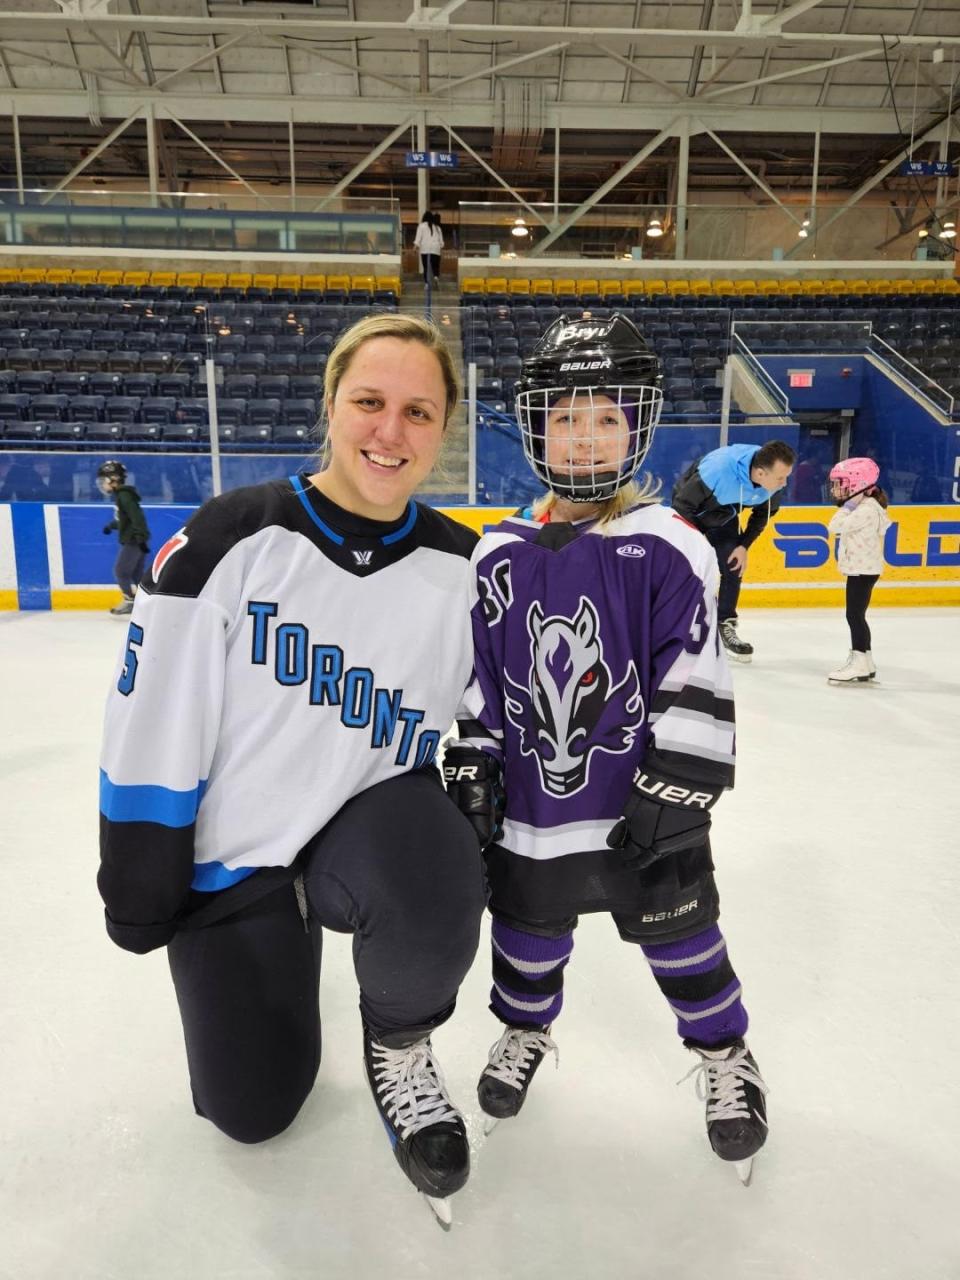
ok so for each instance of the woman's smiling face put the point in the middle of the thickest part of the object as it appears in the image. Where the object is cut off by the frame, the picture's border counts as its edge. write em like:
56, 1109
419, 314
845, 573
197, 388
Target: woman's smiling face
385, 427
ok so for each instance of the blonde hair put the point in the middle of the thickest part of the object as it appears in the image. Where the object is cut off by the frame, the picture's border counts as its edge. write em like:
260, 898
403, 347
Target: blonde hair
406, 329
646, 493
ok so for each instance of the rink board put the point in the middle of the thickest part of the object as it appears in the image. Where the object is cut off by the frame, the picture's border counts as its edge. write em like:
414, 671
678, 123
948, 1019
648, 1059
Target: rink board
57, 557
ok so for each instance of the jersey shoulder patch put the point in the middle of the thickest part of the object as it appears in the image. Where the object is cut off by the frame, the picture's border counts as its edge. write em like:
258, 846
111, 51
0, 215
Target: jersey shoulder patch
183, 565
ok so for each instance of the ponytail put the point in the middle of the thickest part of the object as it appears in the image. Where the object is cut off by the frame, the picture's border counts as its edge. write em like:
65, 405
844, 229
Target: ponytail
878, 496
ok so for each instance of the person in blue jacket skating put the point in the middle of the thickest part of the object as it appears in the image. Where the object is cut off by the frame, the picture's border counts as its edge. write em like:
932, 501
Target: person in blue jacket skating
712, 493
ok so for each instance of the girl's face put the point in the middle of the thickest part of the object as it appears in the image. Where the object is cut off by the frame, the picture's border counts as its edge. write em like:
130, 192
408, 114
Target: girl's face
385, 427
586, 433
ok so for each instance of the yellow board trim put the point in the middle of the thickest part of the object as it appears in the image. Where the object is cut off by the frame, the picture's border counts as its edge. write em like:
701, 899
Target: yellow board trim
85, 598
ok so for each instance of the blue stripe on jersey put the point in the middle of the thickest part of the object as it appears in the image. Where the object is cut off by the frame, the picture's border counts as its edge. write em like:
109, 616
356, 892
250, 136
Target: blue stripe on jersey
405, 528
208, 877
324, 528
149, 803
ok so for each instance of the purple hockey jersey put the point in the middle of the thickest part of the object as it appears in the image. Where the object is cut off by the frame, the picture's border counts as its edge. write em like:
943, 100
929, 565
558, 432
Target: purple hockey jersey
592, 644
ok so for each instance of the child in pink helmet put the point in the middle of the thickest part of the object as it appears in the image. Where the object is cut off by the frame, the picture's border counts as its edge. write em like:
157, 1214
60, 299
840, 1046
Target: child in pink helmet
861, 524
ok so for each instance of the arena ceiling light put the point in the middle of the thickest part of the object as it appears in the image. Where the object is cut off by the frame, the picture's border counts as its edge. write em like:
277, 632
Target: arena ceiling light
519, 228
655, 228
949, 229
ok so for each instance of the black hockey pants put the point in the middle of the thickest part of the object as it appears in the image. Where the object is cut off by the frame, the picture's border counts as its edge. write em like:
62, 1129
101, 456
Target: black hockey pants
399, 868
724, 542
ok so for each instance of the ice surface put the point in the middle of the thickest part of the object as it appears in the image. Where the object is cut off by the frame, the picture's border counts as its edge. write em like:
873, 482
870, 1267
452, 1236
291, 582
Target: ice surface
838, 860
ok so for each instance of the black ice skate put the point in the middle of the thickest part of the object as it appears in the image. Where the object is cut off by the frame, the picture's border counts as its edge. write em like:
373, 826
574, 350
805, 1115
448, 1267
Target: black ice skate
729, 1081
738, 649
426, 1131
512, 1064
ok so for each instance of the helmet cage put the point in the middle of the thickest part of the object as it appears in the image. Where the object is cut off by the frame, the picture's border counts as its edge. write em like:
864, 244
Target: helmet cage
595, 466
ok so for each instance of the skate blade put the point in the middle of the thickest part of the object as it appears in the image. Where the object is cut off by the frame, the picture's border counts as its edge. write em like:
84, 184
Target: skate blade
440, 1209
489, 1124
742, 658
744, 1170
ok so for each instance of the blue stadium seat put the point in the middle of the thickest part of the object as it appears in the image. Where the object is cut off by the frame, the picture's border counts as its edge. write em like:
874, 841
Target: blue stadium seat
123, 362
23, 358
69, 384
194, 411
263, 412
241, 386
37, 382
108, 432
231, 412
103, 383
177, 384
13, 407
65, 430
140, 384
49, 408
158, 409
90, 361
125, 409
248, 433
275, 386
143, 431
87, 408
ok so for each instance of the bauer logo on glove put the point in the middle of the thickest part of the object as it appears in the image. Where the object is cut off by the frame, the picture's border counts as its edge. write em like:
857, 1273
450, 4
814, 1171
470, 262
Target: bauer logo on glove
662, 816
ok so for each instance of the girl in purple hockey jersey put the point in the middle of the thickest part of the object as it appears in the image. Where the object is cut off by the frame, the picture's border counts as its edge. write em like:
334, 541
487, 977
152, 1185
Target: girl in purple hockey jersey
598, 731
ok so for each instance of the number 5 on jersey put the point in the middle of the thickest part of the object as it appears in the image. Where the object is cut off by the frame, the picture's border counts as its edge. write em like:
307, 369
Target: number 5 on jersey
129, 673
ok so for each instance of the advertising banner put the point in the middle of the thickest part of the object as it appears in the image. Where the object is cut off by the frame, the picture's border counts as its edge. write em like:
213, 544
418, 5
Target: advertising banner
58, 557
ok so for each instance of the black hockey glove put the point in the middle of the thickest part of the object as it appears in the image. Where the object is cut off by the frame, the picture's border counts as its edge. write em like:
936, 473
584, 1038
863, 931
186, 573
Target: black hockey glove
663, 815
472, 779
144, 548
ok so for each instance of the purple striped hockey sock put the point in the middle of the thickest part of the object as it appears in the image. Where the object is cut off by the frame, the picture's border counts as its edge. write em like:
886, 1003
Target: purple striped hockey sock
701, 987
527, 976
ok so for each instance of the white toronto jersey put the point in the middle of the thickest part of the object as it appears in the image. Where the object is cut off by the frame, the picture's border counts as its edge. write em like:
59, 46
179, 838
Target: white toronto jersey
282, 657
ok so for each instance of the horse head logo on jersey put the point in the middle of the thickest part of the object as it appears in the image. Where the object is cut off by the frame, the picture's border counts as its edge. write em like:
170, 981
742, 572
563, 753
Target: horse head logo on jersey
570, 706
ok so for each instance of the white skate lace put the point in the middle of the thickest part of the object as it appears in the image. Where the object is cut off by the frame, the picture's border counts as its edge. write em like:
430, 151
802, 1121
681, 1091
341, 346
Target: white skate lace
410, 1087
511, 1057
719, 1083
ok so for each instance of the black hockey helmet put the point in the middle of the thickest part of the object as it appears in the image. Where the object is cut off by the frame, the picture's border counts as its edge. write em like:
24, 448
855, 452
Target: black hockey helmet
595, 367
110, 473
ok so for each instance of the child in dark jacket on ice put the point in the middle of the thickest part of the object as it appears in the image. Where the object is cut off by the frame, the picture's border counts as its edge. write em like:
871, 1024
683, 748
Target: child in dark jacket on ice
131, 526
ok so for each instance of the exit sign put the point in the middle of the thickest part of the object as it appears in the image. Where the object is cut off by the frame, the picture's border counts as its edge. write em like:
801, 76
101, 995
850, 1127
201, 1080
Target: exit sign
800, 377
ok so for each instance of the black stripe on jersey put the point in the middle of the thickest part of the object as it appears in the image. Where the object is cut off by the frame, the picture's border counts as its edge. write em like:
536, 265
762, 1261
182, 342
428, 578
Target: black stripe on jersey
472, 729
544, 984
357, 545
691, 768
696, 986
693, 698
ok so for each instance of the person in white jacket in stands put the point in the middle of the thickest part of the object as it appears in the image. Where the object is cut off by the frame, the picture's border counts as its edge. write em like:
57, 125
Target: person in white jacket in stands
861, 523
429, 242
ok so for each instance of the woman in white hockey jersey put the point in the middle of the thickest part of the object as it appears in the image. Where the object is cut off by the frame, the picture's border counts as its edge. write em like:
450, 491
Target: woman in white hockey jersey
294, 655
602, 693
